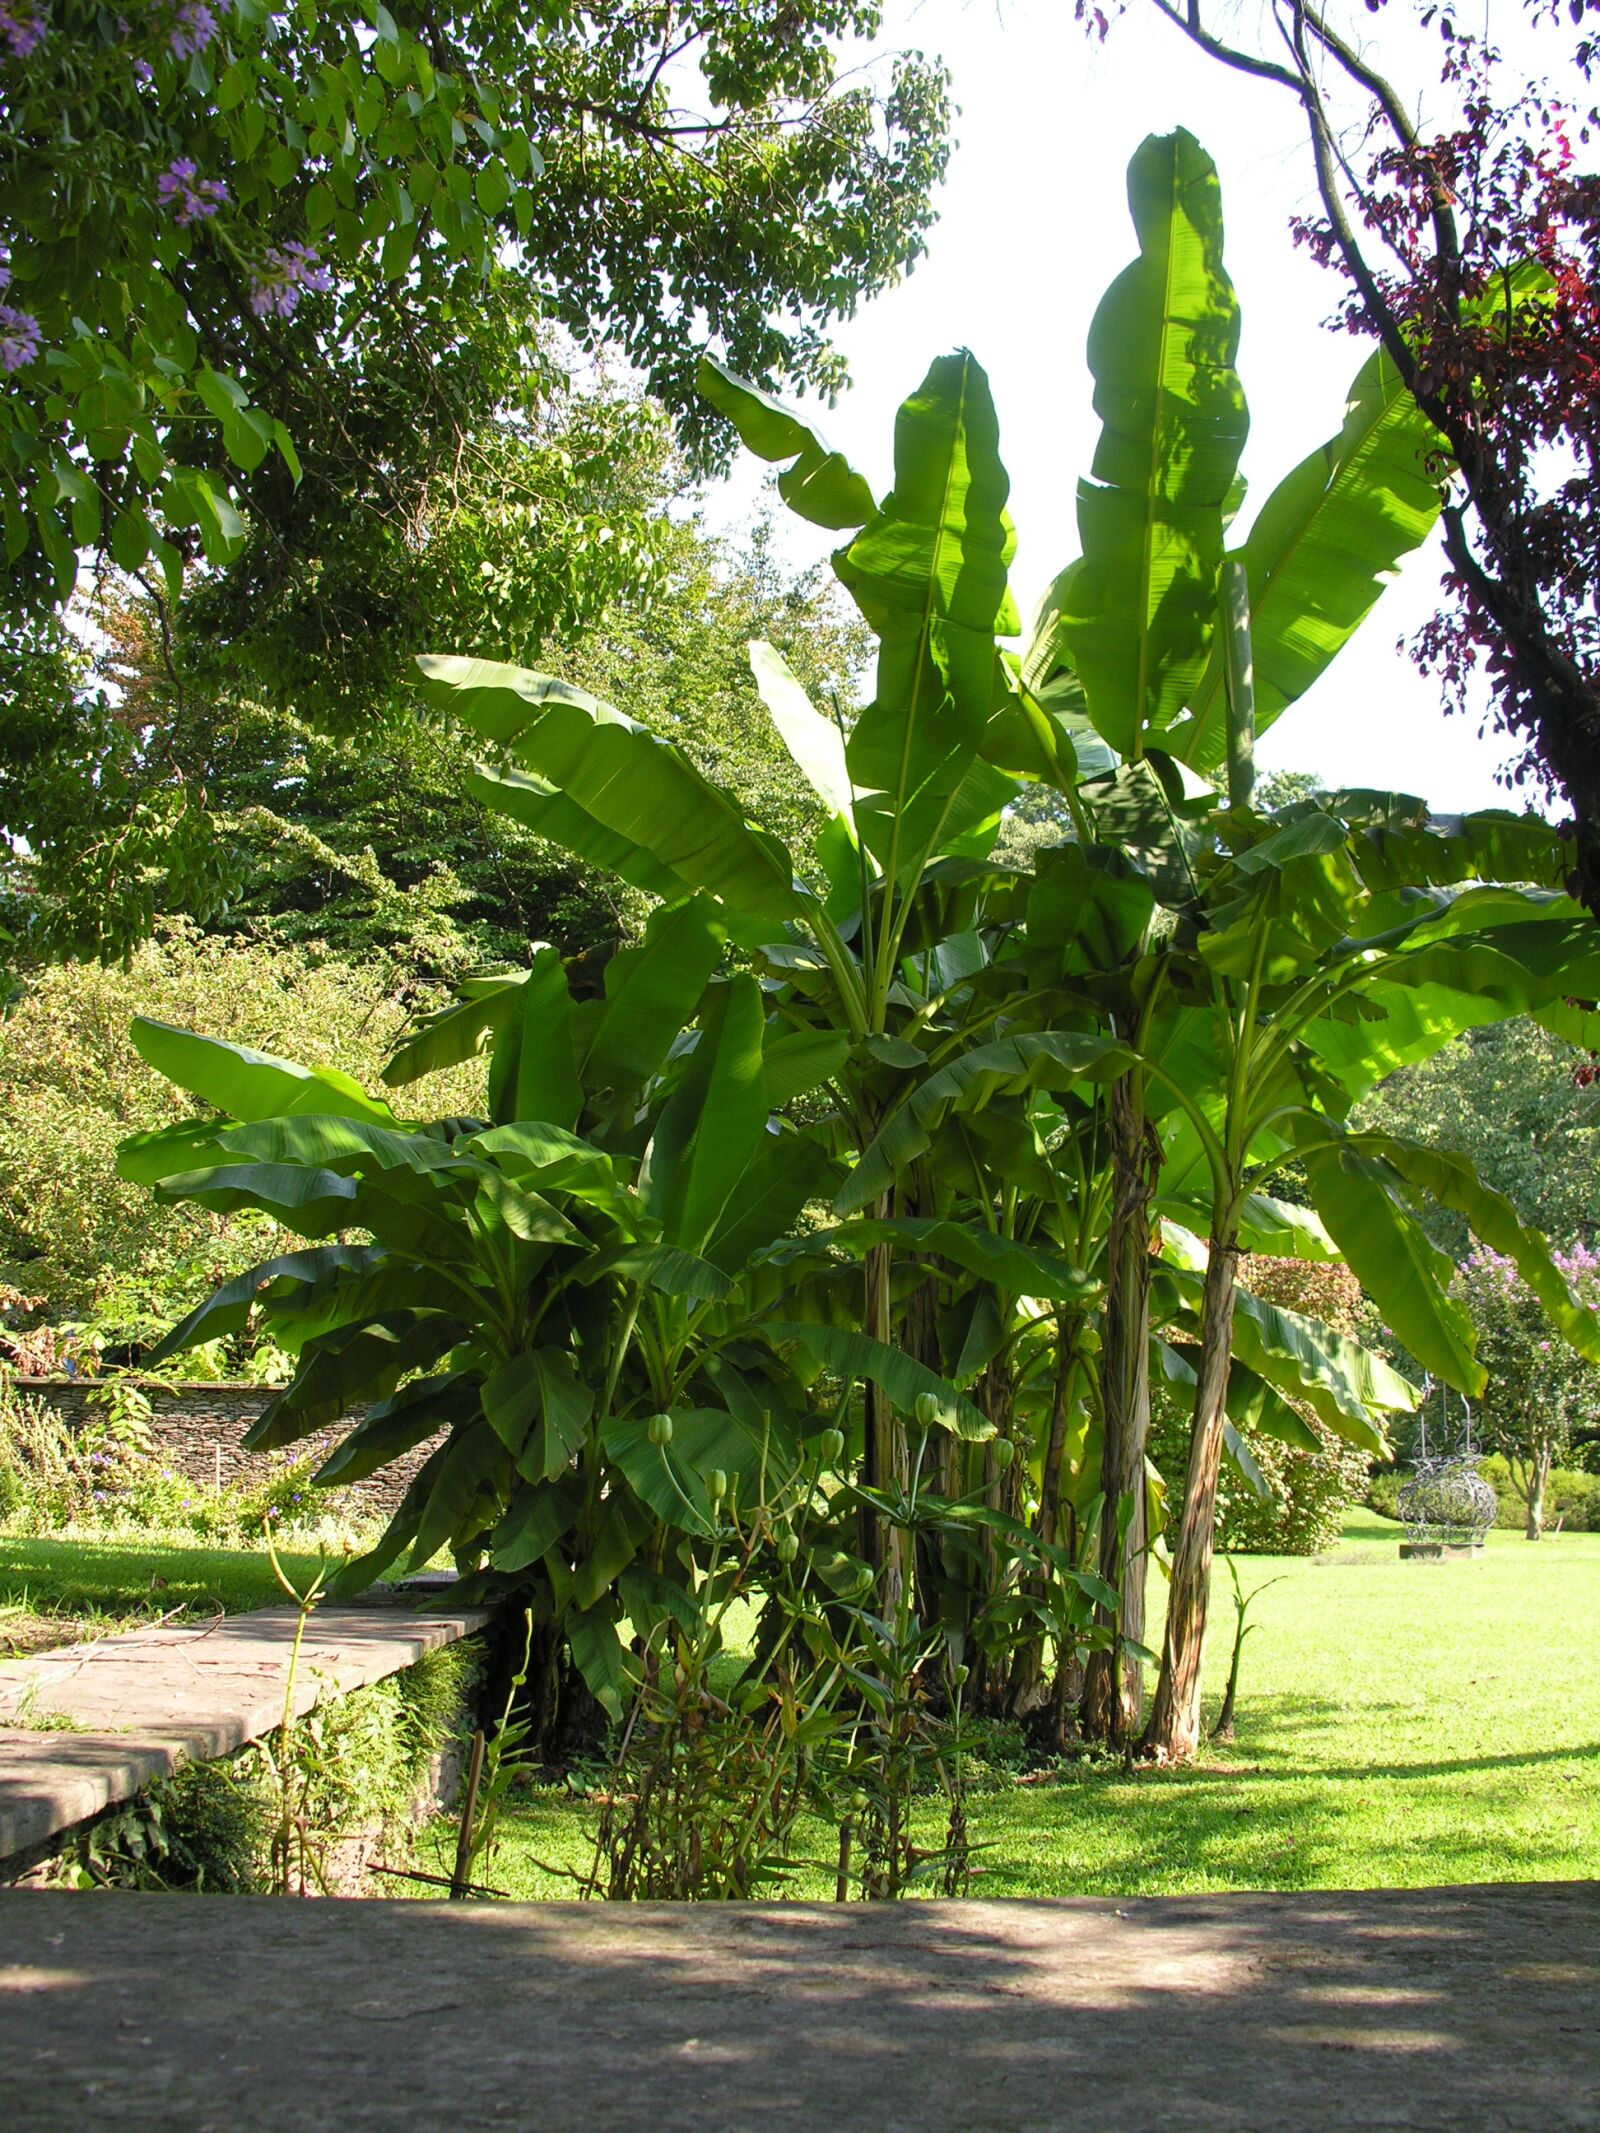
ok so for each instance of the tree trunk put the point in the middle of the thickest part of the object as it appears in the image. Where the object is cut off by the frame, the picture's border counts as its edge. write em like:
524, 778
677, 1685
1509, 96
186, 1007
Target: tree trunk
1173, 1733
1002, 1491
1125, 1405
885, 1466
1028, 1689
1538, 1481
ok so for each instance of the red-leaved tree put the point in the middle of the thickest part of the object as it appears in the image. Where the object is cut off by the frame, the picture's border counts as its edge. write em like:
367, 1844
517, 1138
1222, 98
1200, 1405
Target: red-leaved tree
1473, 255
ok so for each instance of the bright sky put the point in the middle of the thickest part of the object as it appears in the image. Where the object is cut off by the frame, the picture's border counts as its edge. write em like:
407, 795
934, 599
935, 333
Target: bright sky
1034, 224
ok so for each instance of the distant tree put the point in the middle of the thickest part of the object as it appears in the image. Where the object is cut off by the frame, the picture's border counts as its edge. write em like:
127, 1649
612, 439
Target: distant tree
1523, 1105
291, 299
369, 842
1539, 1392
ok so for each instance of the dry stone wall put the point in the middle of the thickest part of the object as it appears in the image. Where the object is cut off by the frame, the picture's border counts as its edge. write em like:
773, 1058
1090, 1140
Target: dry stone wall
199, 1430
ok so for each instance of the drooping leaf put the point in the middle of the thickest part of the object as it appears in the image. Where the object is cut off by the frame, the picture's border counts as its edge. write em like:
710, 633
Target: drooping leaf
713, 1121
598, 1655
820, 485
471, 1457
1451, 1179
815, 742
228, 1309
350, 1367
858, 1355
782, 1175
1365, 1206
538, 1516
641, 788
397, 1425
651, 993
456, 1033
246, 1084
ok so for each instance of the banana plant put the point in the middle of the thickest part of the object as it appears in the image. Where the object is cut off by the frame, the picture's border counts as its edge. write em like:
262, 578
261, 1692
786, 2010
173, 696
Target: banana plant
864, 970
1134, 652
568, 1310
1313, 960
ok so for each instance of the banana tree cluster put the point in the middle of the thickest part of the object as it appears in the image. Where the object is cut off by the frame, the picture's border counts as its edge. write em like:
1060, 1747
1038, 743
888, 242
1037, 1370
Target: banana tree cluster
925, 1162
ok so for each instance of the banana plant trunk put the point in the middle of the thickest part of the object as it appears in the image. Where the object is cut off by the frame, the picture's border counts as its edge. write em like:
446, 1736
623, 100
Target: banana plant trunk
885, 1546
1112, 1706
1173, 1734
1028, 1687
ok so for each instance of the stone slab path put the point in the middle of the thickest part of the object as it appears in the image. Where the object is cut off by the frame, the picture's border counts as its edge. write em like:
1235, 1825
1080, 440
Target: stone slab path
151, 1699
1468, 2009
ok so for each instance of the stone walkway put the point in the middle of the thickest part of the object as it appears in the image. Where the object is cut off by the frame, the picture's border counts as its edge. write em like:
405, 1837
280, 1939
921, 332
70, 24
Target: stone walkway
147, 1701
1468, 2009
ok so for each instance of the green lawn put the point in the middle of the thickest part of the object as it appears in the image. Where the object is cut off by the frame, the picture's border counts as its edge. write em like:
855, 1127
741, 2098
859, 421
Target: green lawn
1399, 1724
54, 1590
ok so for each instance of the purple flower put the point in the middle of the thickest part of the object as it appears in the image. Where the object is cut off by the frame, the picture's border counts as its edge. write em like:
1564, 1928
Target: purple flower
193, 29
19, 338
20, 28
143, 71
190, 197
285, 273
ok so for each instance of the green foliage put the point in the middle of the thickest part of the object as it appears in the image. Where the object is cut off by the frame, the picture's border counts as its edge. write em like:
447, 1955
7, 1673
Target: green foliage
1538, 1390
1514, 1098
620, 1298
73, 1234
260, 209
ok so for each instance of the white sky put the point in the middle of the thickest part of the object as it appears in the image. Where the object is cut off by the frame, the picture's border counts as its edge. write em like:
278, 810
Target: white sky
1034, 224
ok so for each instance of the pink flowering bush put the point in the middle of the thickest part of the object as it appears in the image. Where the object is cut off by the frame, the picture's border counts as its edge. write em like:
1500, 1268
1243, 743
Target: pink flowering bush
1540, 1395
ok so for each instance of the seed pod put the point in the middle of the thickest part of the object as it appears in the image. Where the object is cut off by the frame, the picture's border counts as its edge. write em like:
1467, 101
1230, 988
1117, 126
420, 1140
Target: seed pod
959, 1675
660, 1429
928, 1409
859, 1803
788, 1547
716, 1484
1004, 1452
831, 1445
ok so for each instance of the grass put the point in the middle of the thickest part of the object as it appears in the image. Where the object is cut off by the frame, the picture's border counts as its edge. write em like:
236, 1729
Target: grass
1399, 1724
54, 1591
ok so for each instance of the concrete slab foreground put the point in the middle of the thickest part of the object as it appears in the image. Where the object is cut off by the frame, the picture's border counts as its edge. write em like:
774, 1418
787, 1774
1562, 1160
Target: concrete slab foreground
1460, 2008
150, 1699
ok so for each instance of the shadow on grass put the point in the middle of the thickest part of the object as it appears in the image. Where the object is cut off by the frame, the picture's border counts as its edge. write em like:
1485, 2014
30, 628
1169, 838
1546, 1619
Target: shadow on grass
1439, 2007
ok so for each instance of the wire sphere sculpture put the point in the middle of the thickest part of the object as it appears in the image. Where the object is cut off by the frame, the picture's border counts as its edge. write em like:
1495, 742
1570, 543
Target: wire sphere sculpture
1447, 1501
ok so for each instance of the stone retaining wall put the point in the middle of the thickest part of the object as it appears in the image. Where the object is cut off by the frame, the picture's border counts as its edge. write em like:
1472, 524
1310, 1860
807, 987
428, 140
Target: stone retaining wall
199, 1430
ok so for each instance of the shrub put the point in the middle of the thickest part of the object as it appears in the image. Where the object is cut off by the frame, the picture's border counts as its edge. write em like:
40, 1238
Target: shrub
75, 1239
359, 1764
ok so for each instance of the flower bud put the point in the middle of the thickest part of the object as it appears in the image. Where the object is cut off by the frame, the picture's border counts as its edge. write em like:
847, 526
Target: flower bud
716, 1484
928, 1409
788, 1547
831, 1446
1004, 1452
660, 1427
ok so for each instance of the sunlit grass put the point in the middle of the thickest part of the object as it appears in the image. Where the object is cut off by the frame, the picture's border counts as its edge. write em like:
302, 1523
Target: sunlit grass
1398, 1724
52, 1591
